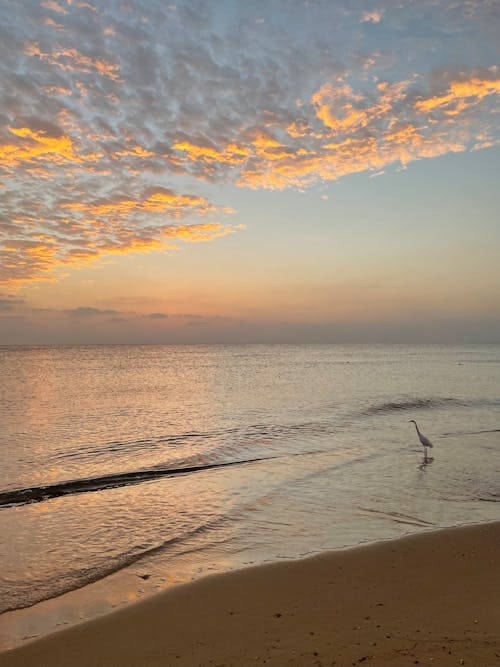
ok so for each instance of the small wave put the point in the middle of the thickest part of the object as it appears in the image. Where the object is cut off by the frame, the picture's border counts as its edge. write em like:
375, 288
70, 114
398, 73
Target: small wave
215, 442
187, 449
39, 493
479, 361
398, 517
490, 430
134, 446
489, 497
45, 590
412, 404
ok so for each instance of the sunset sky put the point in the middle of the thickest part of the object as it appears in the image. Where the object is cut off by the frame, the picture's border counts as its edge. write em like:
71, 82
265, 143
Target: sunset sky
249, 171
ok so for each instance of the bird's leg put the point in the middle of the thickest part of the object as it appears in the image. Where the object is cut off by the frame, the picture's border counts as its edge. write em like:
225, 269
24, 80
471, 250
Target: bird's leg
425, 453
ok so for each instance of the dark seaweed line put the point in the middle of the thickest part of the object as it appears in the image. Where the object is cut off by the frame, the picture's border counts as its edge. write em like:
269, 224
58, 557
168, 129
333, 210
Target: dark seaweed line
40, 493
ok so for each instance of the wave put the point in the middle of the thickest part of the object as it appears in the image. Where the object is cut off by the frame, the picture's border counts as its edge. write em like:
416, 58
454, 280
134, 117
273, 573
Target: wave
133, 446
398, 517
428, 403
413, 404
40, 590
205, 447
489, 497
489, 430
39, 493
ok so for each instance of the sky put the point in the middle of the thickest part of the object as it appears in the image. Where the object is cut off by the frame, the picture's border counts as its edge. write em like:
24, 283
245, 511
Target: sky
249, 171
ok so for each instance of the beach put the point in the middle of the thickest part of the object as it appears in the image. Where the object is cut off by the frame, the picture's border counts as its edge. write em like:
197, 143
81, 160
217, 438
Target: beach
429, 599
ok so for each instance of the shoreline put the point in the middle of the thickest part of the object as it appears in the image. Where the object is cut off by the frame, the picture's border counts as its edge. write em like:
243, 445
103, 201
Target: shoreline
426, 598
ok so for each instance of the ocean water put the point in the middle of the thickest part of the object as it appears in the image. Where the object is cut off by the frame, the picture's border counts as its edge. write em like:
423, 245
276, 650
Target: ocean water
126, 469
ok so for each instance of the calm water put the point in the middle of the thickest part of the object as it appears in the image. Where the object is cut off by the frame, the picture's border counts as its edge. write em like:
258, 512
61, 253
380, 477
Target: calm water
338, 464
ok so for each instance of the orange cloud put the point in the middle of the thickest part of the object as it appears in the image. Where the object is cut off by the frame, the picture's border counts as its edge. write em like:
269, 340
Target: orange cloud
201, 232
155, 200
82, 4
50, 22
463, 93
371, 17
25, 262
103, 229
58, 90
36, 144
232, 154
70, 59
336, 130
54, 6
344, 130
300, 128
361, 132
348, 154
339, 98
342, 110
134, 244
136, 151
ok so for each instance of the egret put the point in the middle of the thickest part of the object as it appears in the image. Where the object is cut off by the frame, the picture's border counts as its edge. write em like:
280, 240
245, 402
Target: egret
423, 439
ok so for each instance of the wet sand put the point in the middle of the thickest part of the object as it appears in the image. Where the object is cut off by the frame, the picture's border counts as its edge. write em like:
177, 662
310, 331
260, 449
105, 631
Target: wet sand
429, 599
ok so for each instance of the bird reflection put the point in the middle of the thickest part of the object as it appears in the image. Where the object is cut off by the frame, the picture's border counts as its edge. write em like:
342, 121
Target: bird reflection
426, 461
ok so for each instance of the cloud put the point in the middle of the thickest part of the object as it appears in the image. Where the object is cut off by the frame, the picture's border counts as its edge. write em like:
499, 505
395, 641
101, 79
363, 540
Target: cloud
373, 16
156, 199
36, 146
9, 303
120, 125
54, 232
345, 129
88, 311
463, 92
70, 59
54, 6
157, 316
27, 260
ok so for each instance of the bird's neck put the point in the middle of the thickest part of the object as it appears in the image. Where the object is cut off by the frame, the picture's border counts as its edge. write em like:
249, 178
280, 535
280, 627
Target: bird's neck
418, 431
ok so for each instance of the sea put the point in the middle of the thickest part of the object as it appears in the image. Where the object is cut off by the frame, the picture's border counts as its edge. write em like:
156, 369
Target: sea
129, 469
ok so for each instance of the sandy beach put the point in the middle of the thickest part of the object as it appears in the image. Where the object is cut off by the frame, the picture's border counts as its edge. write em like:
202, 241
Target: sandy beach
429, 599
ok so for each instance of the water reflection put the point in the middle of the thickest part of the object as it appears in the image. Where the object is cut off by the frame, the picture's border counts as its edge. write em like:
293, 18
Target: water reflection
426, 461
77, 410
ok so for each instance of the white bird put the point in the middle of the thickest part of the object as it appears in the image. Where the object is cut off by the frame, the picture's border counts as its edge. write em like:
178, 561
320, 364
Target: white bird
423, 439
